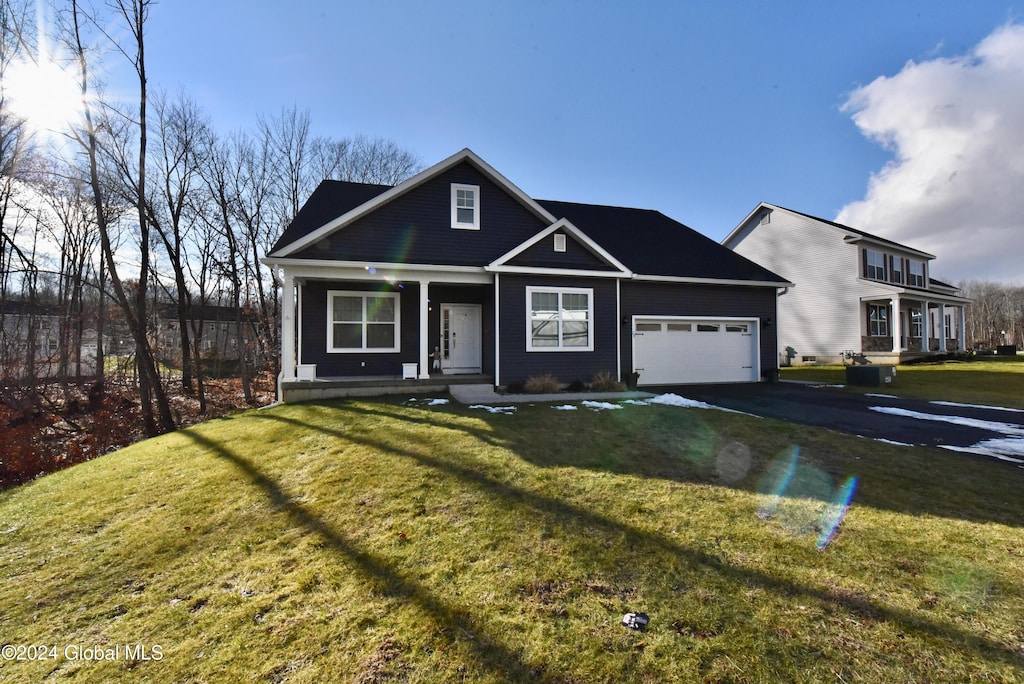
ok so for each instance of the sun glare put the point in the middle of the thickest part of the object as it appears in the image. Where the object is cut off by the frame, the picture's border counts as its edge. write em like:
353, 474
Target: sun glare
44, 93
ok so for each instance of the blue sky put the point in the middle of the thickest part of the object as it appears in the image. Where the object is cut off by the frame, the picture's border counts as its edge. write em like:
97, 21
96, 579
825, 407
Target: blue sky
700, 110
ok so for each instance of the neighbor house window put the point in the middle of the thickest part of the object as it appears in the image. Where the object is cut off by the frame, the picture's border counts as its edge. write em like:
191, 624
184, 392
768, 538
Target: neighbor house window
559, 319
362, 321
897, 270
874, 265
916, 323
915, 273
878, 320
466, 206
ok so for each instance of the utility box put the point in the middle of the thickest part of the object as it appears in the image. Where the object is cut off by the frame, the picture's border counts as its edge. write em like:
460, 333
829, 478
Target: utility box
870, 376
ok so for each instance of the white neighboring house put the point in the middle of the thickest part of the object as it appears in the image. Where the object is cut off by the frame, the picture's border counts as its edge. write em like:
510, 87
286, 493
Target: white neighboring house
854, 293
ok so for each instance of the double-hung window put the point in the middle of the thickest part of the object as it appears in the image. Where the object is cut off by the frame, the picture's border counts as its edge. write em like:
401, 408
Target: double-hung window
466, 206
362, 321
878, 320
874, 265
897, 270
916, 323
915, 273
559, 319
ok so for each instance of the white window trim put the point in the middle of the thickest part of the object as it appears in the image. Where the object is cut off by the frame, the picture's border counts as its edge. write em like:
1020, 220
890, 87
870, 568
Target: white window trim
363, 294
560, 291
462, 225
869, 267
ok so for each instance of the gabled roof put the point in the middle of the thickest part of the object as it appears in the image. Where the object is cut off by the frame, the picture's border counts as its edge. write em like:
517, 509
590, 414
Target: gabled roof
651, 244
853, 234
330, 200
501, 263
341, 217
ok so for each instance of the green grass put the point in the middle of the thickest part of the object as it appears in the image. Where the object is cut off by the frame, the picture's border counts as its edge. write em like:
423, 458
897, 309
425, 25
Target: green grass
992, 381
373, 541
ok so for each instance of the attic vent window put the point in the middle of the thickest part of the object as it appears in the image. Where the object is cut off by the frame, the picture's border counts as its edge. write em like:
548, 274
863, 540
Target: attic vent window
466, 206
559, 242
766, 217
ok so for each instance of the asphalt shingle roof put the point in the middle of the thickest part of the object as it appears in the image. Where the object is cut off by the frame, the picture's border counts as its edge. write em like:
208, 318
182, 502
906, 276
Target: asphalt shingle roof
330, 200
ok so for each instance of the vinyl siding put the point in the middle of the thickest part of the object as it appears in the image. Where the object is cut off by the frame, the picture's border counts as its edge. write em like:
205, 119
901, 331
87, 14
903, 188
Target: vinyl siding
714, 301
517, 364
416, 227
820, 316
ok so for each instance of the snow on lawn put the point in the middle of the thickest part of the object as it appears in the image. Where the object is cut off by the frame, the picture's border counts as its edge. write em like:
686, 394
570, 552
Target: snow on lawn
880, 396
1006, 448
427, 401
504, 410
601, 405
979, 406
564, 407
676, 400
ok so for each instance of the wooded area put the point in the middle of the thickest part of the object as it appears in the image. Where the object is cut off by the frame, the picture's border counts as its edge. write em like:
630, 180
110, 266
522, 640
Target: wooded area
130, 239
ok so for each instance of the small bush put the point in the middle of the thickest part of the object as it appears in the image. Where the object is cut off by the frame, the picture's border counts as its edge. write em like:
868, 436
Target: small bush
576, 386
541, 384
606, 382
514, 388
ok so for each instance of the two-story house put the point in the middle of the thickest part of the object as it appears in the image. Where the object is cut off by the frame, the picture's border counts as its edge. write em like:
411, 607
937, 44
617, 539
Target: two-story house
855, 293
457, 268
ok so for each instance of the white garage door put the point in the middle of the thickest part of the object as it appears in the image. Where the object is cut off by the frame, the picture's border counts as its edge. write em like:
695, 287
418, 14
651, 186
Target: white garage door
679, 351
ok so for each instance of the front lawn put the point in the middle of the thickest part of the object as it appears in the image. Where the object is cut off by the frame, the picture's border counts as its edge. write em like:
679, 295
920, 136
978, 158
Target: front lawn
990, 381
374, 541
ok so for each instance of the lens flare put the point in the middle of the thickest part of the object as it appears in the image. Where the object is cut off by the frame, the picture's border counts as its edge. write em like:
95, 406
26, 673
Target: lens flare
836, 511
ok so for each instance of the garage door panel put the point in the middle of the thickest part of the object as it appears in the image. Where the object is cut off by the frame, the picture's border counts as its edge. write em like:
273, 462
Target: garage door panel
678, 351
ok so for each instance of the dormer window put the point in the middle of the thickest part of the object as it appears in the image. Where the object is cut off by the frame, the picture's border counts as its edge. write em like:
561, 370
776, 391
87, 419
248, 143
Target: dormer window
466, 206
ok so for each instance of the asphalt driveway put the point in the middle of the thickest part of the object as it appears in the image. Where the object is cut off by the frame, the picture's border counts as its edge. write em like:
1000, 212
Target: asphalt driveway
986, 431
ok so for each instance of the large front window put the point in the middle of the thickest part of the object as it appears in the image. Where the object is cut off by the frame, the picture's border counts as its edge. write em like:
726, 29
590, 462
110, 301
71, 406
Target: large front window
559, 319
362, 321
878, 320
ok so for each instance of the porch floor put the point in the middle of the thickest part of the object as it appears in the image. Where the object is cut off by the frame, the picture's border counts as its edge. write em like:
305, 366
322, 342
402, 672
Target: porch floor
372, 386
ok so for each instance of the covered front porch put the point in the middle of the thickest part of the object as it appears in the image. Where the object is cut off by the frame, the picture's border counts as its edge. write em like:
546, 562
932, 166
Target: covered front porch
903, 326
361, 331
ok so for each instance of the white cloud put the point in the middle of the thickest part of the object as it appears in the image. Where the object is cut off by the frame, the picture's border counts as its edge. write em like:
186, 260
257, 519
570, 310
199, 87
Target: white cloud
955, 127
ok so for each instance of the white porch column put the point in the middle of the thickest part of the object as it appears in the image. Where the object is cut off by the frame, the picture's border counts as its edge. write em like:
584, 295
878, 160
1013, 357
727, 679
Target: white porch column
895, 327
942, 327
288, 328
424, 330
961, 333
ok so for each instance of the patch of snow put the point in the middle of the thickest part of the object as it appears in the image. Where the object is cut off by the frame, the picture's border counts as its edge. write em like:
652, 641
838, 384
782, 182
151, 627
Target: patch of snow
635, 402
881, 396
564, 407
1008, 429
427, 401
980, 406
601, 405
996, 448
676, 400
826, 386
505, 410
892, 441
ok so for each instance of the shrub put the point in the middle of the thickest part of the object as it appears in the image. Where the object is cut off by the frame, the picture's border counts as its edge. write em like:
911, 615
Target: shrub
606, 382
541, 384
576, 386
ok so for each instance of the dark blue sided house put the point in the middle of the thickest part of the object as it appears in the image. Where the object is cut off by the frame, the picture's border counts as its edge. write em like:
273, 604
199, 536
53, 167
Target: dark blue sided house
458, 268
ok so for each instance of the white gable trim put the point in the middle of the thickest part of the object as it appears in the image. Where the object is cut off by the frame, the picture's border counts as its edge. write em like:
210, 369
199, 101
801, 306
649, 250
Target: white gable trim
499, 264
420, 178
712, 281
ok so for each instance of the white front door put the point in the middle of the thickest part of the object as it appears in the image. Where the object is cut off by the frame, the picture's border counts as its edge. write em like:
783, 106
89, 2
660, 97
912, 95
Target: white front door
461, 339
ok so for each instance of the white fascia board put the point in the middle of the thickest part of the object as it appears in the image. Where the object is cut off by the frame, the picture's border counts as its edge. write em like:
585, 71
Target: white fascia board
888, 245
568, 227
739, 226
420, 178
712, 281
325, 269
537, 270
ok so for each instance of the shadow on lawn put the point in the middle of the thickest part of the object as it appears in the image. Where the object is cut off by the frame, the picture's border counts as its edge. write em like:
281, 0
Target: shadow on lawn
680, 445
503, 659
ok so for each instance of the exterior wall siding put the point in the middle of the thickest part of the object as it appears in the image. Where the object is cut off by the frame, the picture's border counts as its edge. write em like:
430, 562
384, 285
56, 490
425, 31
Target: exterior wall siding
313, 332
517, 364
820, 316
640, 298
575, 256
416, 227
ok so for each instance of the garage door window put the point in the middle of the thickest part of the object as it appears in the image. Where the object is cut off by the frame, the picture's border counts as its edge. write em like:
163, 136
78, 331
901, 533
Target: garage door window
559, 319
707, 327
736, 327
